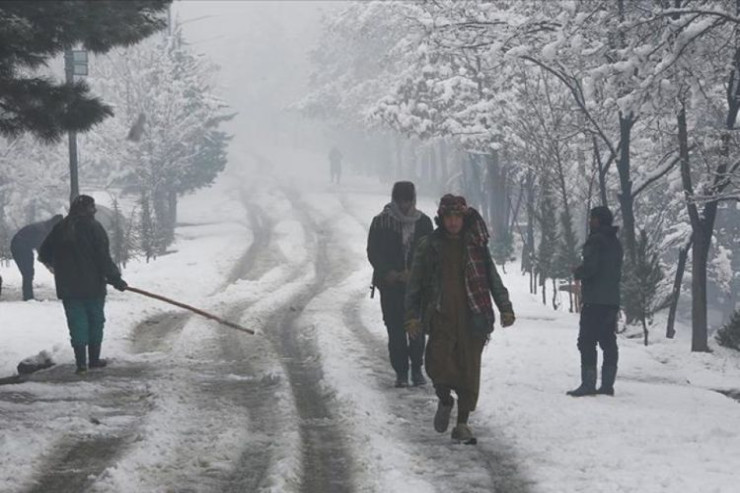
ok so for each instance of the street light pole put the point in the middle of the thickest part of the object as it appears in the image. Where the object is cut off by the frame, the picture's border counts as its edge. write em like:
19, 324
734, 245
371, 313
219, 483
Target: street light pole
74, 189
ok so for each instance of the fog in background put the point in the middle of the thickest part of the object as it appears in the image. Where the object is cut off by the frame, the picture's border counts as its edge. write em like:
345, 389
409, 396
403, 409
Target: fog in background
262, 49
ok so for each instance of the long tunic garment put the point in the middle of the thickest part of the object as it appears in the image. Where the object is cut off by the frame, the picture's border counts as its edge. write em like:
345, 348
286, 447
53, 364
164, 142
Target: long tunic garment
453, 355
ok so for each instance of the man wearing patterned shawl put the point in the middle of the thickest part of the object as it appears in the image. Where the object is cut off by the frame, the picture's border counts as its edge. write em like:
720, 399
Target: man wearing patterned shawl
449, 297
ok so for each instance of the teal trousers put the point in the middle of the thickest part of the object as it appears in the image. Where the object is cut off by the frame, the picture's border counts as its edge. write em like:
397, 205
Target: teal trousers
85, 320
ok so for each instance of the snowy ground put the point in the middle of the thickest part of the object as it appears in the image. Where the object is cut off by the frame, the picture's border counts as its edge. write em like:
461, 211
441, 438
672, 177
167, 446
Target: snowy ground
308, 404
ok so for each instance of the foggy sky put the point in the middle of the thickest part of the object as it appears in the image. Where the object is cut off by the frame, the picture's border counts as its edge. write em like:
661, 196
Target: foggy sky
262, 50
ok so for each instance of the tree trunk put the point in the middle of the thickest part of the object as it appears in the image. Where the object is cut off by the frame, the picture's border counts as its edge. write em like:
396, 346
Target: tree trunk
399, 156
601, 173
571, 286
626, 199
555, 305
543, 283
683, 254
699, 251
426, 172
433, 167
445, 173
699, 255
173, 209
644, 331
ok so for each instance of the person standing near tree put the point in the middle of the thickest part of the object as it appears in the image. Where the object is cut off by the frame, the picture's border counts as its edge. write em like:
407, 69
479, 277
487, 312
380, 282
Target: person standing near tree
600, 275
24, 242
77, 252
335, 165
394, 233
449, 296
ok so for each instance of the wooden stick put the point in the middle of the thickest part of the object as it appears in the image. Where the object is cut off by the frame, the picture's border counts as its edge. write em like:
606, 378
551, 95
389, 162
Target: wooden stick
192, 309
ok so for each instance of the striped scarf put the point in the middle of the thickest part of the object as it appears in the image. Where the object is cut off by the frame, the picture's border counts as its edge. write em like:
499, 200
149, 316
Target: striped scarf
476, 273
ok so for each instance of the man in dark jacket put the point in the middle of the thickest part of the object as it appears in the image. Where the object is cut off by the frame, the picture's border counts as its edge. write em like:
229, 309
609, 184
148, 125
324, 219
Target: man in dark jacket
449, 296
600, 275
394, 233
24, 242
78, 253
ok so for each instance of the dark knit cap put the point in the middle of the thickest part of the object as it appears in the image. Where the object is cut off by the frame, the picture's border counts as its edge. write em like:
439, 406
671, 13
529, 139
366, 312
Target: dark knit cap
81, 204
603, 215
452, 204
403, 190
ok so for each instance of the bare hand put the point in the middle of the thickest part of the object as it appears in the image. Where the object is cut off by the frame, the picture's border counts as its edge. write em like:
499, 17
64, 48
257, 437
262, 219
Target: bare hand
413, 327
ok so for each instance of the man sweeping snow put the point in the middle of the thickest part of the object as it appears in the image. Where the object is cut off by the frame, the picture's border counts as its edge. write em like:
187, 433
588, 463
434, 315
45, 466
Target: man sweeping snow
77, 252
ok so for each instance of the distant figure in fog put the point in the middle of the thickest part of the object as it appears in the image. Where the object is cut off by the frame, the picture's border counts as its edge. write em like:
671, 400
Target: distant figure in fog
24, 242
335, 165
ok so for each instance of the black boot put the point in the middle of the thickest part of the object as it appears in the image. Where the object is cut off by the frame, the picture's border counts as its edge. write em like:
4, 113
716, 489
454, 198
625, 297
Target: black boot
417, 377
402, 380
608, 375
80, 359
588, 382
95, 361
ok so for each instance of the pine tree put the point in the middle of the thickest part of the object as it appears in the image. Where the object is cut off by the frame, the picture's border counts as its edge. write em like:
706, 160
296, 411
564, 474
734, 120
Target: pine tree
31, 33
566, 256
640, 282
548, 239
120, 247
729, 335
502, 248
147, 231
5, 236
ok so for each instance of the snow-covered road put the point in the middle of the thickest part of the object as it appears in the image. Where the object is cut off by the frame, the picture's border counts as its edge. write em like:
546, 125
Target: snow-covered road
307, 405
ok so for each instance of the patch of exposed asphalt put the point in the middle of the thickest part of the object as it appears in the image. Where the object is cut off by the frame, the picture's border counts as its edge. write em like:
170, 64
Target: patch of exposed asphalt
733, 394
157, 332
115, 401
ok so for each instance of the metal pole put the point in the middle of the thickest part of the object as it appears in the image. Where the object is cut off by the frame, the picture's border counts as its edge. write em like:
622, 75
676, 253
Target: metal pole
74, 187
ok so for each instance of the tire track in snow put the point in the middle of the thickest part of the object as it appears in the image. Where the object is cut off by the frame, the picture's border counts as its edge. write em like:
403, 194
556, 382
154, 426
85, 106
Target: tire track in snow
327, 461
252, 356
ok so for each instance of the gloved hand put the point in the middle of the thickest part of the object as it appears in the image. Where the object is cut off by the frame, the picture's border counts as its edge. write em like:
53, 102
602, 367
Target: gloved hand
119, 284
507, 319
413, 327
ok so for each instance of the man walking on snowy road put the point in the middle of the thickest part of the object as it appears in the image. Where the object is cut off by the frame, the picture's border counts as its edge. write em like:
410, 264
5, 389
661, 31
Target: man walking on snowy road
600, 275
449, 296
24, 242
77, 252
394, 233
335, 165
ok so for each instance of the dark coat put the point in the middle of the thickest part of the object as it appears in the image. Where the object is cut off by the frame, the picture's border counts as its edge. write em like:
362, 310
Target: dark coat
31, 236
601, 270
385, 247
78, 251
424, 291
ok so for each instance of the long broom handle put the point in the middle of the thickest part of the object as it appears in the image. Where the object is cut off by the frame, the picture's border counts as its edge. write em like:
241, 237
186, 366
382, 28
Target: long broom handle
191, 308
